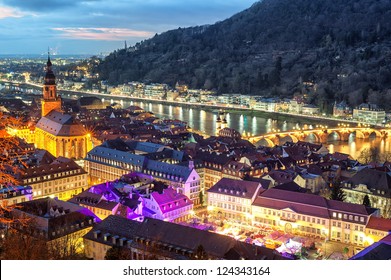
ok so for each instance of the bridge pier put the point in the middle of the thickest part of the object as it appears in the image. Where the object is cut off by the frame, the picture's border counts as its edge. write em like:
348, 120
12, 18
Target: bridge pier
344, 136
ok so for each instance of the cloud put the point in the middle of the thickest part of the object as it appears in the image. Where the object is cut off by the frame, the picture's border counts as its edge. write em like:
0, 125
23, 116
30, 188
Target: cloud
44, 5
7, 12
100, 33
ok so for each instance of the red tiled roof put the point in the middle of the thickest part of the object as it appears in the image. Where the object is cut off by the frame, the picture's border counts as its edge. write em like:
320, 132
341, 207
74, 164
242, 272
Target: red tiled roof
379, 224
232, 187
347, 207
299, 202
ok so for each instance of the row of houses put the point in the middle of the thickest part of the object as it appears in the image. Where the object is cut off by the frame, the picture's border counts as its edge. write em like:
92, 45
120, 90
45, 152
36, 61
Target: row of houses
249, 203
64, 230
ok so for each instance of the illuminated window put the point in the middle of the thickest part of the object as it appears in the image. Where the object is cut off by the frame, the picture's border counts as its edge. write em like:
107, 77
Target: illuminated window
334, 215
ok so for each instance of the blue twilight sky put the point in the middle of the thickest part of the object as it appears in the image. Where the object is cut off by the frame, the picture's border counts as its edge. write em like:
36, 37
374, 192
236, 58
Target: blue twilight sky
95, 26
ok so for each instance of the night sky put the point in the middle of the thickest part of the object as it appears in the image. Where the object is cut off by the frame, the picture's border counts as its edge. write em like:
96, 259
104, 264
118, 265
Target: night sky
100, 26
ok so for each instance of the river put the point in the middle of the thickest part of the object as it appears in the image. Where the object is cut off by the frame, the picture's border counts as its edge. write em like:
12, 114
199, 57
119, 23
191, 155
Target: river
255, 123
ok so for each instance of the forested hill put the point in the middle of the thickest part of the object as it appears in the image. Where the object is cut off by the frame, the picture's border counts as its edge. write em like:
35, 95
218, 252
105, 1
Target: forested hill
273, 48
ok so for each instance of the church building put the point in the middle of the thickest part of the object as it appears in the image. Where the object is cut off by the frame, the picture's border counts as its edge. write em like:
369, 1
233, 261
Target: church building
57, 132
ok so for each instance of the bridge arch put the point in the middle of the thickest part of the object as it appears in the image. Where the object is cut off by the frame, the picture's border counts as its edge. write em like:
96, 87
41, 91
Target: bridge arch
335, 134
359, 134
375, 132
310, 135
265, 142
288, 138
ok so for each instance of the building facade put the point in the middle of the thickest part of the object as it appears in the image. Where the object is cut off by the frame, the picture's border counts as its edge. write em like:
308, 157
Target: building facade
57, 132
62, 178
169, 205
376, 184
369, 113
160, 240
232, 198
312, 215
11, 195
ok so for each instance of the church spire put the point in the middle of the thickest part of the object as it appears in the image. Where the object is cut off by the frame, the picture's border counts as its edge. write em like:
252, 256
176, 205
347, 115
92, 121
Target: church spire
51, 101
50, 78
49, 63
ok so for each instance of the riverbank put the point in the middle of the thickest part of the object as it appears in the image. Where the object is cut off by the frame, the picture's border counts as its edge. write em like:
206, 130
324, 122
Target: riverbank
210, 107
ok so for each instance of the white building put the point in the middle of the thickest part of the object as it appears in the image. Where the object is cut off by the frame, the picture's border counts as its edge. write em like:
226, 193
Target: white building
168, 206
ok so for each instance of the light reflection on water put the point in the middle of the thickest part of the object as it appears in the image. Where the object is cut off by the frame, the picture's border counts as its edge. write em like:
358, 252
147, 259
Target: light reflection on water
205, 120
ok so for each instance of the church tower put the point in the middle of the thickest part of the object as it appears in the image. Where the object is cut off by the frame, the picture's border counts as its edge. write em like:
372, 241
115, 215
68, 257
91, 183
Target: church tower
50, 99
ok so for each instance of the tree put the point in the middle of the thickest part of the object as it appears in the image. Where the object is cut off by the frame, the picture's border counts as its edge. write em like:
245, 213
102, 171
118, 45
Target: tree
386, 213
200, 253
366, 201
336, 191
68, 247
118, 253
201, 196
11, 162
368, 155
20, 246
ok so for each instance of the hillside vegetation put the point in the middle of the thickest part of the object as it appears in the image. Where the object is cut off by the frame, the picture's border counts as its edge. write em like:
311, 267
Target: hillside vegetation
327, 49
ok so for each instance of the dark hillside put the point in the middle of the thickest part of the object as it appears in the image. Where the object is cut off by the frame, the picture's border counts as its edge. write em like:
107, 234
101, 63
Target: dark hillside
273, 48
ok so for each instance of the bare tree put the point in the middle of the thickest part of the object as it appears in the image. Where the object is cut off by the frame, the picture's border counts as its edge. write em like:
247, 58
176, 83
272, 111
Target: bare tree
18, 245
387, 209
67, 247
369, 155
11, 154
118, 253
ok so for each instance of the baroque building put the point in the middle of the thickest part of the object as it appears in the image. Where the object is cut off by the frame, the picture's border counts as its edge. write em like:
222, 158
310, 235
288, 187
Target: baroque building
57, 132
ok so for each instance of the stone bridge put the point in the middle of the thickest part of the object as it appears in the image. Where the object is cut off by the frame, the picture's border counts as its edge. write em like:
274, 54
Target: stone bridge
318, 135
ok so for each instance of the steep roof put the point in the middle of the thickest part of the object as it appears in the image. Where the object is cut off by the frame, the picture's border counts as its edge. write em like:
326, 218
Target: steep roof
117, 155
359, 209
167, 168
170, 200
59, 124
379, 224
374, 179
299, 202
232, 187
177, 235
52, 168
380, 250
